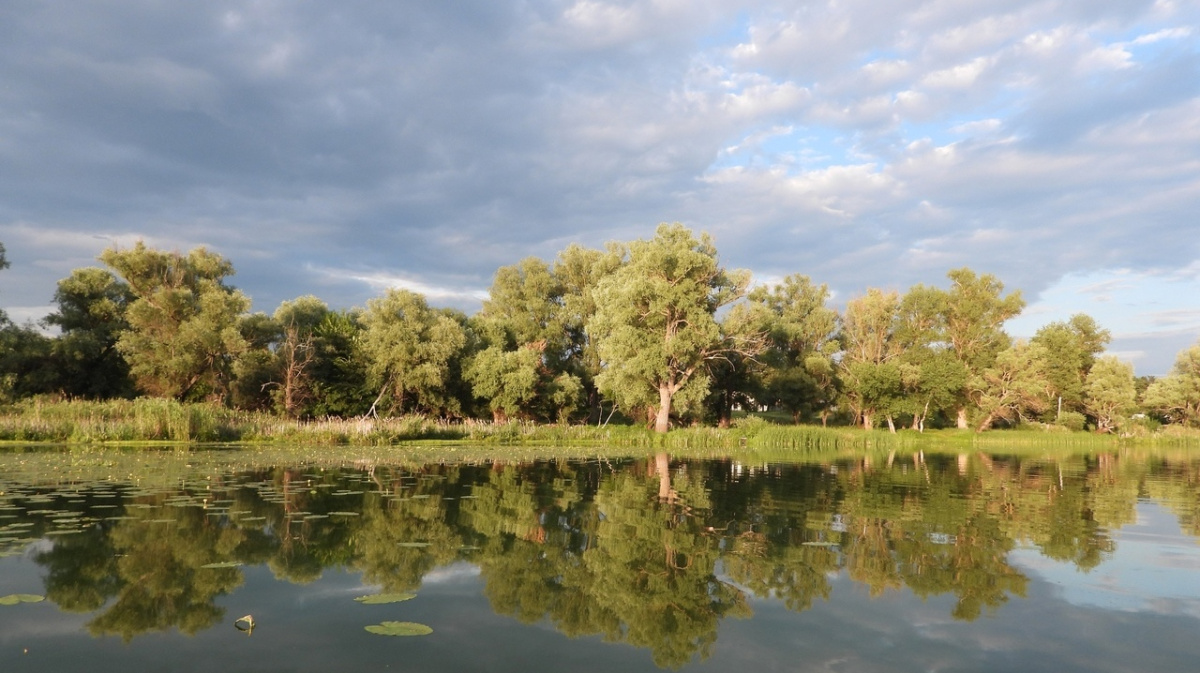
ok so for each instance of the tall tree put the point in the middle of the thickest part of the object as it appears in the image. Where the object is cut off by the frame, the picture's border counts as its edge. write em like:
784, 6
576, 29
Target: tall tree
91, 317
973, 323
578, 270
1109, 392
1014, 386
1177, 395
183, 335
801, 347
409, 348
297, 352
655, 325
869, 368
527, 345
1071, 349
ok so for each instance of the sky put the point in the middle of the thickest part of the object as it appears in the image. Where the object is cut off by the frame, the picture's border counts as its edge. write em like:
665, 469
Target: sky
338, 149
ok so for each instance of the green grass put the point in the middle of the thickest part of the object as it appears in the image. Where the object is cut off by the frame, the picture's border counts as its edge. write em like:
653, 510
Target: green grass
158, 421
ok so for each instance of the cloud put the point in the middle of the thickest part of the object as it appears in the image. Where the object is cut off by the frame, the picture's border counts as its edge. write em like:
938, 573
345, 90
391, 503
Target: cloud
340, 150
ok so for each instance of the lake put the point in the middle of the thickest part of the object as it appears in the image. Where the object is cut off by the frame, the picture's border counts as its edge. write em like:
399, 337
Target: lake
257, 560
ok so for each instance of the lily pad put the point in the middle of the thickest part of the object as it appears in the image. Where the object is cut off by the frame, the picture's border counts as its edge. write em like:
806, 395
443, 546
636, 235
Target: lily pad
413, 545
13, 599
379, 599
399, 629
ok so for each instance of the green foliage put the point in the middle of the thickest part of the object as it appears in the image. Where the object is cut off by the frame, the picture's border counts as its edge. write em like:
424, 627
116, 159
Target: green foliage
1177, 395
655, 325
409, 348
183, 336
91, 316
1014, 386
1109, 393
1071, 349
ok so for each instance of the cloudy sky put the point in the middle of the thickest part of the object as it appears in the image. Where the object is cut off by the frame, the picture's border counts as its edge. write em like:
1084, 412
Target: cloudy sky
339, 148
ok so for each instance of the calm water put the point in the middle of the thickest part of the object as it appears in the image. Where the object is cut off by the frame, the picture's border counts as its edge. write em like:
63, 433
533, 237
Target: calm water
935, 563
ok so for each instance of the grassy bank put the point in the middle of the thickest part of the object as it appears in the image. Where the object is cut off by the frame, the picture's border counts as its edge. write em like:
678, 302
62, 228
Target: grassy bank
158, 421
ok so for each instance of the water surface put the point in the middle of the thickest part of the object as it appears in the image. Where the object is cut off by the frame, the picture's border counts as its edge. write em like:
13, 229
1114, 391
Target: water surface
973, 562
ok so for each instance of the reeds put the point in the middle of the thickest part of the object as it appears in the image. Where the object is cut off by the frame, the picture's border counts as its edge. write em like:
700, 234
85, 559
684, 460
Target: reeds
160, 420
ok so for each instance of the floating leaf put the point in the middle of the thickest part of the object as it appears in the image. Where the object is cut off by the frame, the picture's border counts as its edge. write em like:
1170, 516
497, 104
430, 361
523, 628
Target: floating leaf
13, 599
412, 544
379, 599
222, 564
399, 629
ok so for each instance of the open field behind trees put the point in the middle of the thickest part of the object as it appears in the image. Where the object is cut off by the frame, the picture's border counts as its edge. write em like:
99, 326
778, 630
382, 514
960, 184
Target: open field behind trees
597, 345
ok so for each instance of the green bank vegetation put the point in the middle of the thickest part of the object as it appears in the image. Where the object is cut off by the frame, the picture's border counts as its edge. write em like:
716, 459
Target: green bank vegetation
596, 344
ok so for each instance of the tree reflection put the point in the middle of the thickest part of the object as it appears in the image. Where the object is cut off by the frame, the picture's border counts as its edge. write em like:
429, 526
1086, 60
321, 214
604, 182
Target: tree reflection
653, 552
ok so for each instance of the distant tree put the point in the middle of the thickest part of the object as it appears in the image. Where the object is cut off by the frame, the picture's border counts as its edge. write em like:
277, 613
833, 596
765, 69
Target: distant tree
800, 376
91, 317
297, 352
972, 323
736, 376
932, 377
870, 352
409, 348
527, 345
339, 382
183, 335
1177, 395
1109, 392
1014, 386
1071, 349
578, 270
655, 325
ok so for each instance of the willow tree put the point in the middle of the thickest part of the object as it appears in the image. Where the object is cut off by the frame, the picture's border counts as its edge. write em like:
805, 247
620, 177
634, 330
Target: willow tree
1177, 395
655, 326
409, 349
973, 323
870, 351
183, 335
1109, 392
801, 347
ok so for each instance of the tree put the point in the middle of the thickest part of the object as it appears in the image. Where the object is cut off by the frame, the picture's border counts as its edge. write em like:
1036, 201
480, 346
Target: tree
932, 377
91, 316
1071, 349
339, 373
297, 351
1014, 385
1109, 393
802, 342
578, 270
972, 322
1177, 395
183, 335
528, 345
655, 325
409, 348
735, 376
869, 350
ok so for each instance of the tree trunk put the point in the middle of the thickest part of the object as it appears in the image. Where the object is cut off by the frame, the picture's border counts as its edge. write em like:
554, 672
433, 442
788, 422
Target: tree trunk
662, 467
662, 421
987, 423
891, 424
868, 422
962, 418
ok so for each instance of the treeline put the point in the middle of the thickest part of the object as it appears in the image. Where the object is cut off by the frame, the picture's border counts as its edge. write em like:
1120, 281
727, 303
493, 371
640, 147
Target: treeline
651, 330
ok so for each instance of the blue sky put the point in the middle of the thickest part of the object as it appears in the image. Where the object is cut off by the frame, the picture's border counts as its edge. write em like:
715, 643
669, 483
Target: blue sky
339, 149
